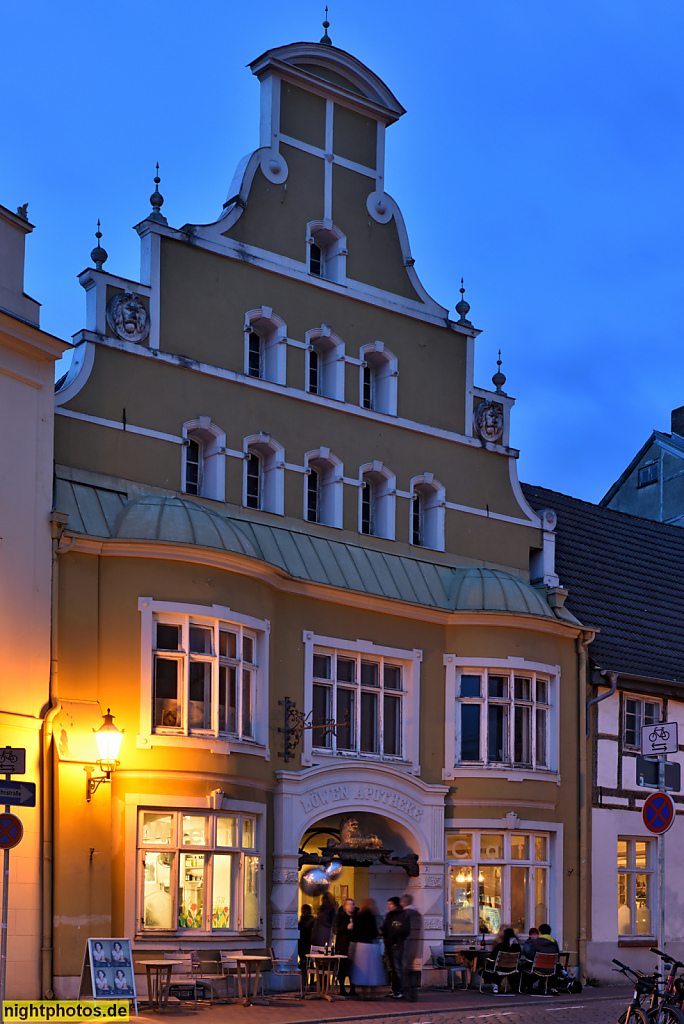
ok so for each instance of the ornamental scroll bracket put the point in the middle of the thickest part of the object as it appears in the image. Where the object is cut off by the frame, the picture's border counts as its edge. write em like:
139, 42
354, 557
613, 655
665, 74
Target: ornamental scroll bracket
297, 721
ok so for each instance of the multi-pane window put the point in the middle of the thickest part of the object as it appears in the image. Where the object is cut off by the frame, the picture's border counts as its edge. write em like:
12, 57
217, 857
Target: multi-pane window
417, 515
314, 372
255, 355
497, 878
193, 462
648, 474
637, 713
205, 677
315, 260
313, 495
367, 387
636, 886
364, 697
198, 872
254, 481
503, 718
368, 507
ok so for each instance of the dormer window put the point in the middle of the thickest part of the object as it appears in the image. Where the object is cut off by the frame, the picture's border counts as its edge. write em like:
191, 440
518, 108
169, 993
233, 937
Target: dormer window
327, 251
378, 381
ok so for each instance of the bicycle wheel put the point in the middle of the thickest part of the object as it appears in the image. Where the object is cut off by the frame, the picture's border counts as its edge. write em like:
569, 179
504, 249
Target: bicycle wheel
633, 1016
668, 1015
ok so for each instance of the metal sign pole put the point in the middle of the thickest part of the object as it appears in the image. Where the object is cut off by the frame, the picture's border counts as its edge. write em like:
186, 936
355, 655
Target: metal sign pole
5, 901
662, 758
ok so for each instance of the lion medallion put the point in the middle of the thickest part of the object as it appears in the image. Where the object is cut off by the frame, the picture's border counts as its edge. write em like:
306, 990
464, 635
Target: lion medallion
127, 317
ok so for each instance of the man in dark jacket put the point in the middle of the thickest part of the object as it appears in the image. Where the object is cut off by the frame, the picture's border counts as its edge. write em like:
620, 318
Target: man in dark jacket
412, 947
396, 929
344, 922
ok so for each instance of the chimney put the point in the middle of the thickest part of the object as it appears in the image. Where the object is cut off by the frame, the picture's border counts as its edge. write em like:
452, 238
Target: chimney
677, 421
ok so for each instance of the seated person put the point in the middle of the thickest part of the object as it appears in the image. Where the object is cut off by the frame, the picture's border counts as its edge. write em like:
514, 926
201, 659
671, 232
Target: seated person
530, 944
541, 941
546, 942
507, 942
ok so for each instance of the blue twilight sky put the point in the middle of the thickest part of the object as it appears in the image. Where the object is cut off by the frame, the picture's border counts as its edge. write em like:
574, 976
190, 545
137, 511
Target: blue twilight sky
541, 158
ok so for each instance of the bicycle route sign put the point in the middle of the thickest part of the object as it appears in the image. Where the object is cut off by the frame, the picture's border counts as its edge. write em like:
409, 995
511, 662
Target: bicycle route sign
11, 831
659, 813
659, 738
12, 760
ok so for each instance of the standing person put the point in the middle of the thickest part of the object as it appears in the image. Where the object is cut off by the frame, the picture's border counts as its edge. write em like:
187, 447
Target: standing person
412, 946
306, 924
324, 921
395, 930
344, 924
367, 971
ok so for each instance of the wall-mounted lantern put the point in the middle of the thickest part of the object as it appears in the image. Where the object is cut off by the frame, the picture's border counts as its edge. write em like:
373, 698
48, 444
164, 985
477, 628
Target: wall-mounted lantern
108, 739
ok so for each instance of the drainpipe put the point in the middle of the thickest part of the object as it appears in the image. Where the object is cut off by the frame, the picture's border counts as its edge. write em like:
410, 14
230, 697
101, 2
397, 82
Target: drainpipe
58, 521
582, 642
612, 678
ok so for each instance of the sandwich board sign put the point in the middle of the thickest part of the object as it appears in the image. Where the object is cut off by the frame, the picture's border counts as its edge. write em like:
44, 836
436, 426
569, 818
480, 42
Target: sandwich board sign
108, 971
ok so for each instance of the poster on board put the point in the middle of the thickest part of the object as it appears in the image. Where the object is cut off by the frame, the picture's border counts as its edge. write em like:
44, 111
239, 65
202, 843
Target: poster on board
108, 970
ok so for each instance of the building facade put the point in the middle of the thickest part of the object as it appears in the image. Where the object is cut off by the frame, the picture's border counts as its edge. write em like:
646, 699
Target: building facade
283, 485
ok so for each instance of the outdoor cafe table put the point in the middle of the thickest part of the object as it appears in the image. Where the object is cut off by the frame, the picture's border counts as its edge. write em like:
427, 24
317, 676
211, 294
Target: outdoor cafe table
326, 966
249, 962
157, 984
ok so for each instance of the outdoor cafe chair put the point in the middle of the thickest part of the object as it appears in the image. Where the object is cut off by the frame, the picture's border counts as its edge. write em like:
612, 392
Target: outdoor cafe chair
287, 968
185, 985
544, 966
502, 966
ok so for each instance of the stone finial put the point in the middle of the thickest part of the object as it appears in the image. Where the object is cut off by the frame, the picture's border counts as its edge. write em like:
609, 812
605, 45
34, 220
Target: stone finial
462, 307
498, 380
157, 201
98, 254
326, 25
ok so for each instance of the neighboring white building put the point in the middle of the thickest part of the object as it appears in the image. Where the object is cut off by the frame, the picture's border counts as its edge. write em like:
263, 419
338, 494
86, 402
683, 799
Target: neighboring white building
625, 576
27, 363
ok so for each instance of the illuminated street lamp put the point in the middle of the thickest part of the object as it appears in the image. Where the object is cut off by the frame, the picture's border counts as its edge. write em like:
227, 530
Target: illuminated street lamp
108, 739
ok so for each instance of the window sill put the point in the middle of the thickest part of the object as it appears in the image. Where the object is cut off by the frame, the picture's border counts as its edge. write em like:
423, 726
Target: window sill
315, 757
637, 940
510, 774
214, 744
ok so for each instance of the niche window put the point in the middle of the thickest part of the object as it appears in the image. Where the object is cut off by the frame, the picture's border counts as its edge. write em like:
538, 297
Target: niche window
265, 345
378, 379
324, 363
327, 251
377, 500
264, 465
203, 469
427, 512
323, 488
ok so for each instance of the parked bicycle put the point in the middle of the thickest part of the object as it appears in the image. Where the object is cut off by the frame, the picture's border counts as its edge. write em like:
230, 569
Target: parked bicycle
663, 1007
644, 985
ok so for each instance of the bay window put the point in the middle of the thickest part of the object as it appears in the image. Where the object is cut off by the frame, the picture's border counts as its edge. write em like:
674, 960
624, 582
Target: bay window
199, 872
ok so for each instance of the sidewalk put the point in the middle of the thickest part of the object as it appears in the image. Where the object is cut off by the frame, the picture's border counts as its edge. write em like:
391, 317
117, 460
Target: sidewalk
433, 1007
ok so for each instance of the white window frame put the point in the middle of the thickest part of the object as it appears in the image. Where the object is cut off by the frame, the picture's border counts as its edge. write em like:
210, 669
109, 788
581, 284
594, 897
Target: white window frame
272, 472
212, 459
210, 615
333, 245
384, 365
384, 500
410, 660
272, 330
432, 496
455, 667
642, 701
479, 827
331, 358
331, 480
652, 871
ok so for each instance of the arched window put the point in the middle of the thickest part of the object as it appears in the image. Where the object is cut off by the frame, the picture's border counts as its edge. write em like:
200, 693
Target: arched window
327, 250
265, 345
377, 500
323, 488
324, 363
264, 467
378, 379
203, 468
426, 528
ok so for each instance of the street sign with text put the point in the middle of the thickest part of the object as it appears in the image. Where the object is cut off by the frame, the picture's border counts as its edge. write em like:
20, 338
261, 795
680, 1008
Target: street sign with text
648, 774
659, 738
12, 760
22, 794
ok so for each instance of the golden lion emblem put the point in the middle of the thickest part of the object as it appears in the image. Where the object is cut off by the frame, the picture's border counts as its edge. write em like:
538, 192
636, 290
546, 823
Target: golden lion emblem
350, 836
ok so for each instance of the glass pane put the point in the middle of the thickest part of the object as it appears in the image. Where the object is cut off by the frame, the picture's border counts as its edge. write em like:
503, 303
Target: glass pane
222, 890
227, 698
540, 849
392, 725
369, 673
519, 888
157, 890
643, 904
167, 713
522, 689
461, 899
470, 686
489, 883
226, 831
651, 713
541, 901
470, 732
625, 905
640, 855
392, 677
251, 896
201, 640
491, 847
519, 847
346, 670
497, 722
497, 686
345, 715
632, 723
321, 713
369, 722
322, 666
542, 691
191, 891
522, 736
248, 840
622, 854
246, 702
248, 650
195, 830
460, 846
541, 737
227, 644
157, 828
168, 637
199, 703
